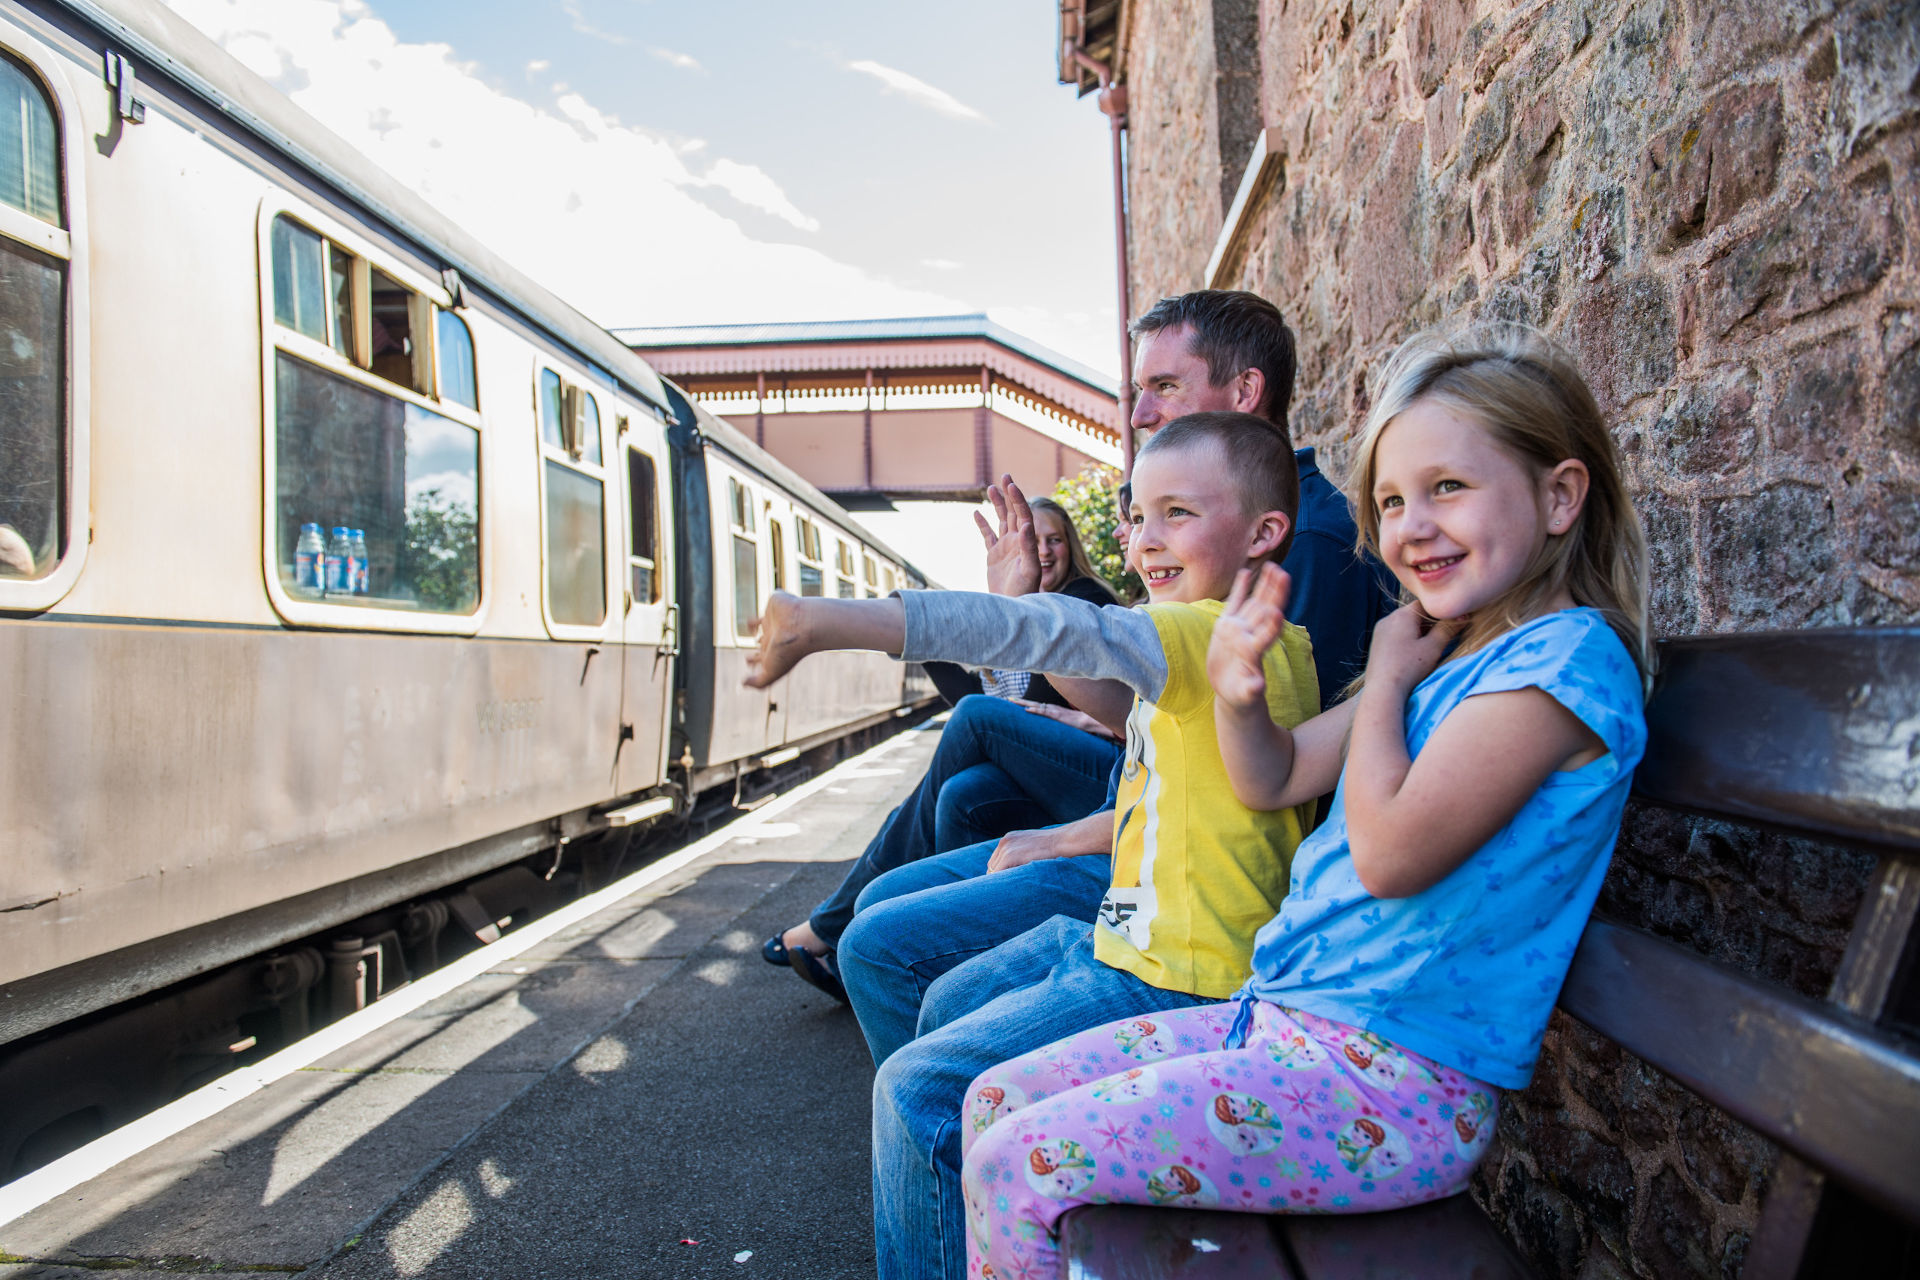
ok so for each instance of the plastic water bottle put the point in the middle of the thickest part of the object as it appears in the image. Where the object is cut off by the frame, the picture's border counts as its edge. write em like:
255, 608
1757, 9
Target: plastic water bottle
339, 562
357, 541
309, 555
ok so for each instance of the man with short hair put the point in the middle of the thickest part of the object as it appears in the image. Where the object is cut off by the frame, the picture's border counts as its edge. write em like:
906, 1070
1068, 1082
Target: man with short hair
1209, 350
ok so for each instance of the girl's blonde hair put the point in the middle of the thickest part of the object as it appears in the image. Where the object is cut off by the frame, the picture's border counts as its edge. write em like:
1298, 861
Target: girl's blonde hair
1527, 392
1077, 556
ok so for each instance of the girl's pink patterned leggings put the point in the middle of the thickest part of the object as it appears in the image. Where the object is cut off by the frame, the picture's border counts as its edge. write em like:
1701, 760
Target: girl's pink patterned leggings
1311, 1116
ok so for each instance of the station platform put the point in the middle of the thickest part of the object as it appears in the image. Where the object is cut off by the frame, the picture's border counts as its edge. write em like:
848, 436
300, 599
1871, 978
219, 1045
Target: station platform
638, 1094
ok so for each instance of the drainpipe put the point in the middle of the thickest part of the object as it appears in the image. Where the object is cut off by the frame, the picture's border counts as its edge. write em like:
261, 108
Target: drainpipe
1113, 102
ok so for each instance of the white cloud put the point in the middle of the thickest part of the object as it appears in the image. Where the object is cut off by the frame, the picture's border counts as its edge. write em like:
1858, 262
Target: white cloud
580, 24
538, 65
608, 215
751, 186
684, 61
917, 90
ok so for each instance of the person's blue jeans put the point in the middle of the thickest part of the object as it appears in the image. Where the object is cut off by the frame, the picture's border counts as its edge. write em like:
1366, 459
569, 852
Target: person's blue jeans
1040, 986
916, 922
1016, 770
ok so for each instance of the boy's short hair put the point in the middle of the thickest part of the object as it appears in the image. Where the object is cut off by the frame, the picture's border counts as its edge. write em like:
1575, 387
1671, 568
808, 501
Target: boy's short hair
1263, 467
1232, 330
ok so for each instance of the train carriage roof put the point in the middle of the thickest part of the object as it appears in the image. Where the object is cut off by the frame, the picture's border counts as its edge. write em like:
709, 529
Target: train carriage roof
159, 41
725, 436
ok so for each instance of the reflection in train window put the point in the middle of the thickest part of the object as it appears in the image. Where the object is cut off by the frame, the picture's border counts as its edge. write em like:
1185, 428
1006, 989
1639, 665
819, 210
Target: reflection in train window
843, 561
643, 498
33, 355
458, 381
777, 550
373, 479
576, 547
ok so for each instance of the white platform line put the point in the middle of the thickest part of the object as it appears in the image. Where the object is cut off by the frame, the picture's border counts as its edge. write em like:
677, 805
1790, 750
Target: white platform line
28, 1193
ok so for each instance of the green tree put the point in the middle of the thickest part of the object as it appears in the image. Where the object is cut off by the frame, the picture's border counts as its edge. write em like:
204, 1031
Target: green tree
1089, 499
440, 557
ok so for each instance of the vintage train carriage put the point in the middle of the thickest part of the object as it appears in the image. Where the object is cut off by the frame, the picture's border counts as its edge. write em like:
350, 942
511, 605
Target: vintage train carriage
338, 561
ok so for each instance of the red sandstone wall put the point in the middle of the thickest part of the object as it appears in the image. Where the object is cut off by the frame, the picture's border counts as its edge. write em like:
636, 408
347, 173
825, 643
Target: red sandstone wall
1713, 202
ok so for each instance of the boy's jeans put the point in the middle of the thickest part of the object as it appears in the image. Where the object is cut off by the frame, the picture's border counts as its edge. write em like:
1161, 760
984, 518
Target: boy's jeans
1007, 769
1041, 986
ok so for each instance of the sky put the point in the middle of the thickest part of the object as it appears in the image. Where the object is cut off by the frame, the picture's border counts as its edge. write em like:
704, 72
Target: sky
659, 163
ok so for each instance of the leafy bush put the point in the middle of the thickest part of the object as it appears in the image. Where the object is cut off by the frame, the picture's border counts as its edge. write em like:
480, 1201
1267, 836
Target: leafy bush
1089, 499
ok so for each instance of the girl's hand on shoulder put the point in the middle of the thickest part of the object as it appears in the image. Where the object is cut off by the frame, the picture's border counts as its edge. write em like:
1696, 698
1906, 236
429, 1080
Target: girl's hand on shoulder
1407, 645
1068, 716
1254, 617
784, 640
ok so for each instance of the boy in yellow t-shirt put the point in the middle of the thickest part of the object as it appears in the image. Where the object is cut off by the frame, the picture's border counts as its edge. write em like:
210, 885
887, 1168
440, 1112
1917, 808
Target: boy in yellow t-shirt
1195, 873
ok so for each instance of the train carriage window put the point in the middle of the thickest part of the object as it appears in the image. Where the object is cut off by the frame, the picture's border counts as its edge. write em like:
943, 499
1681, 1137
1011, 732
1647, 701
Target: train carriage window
33, 339
377, 499
813, 573
746, 558
299, 275
29, 149
453, 342
872, 573
552, 405
643, 498
777, 551
576, 546
589, 420
843, 562
376, 491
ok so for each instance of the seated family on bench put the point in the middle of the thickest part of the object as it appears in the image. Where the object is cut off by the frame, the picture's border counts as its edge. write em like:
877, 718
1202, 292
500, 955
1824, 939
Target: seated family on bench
1252, 1017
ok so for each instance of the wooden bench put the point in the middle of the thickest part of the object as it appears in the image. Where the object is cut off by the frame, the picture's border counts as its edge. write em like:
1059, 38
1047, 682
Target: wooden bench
1813, 734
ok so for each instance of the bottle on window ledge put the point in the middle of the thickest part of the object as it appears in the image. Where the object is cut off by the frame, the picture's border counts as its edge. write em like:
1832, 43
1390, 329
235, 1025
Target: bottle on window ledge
357, 548
339, 563
309, 557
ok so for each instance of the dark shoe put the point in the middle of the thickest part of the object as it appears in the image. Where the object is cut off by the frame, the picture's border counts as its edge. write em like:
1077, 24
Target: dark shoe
774, 949
818, 970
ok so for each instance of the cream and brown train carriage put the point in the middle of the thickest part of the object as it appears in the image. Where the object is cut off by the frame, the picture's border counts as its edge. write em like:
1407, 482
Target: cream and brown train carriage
339, 562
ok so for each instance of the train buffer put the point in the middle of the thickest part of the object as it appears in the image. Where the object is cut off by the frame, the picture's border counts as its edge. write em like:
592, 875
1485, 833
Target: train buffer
637, 1094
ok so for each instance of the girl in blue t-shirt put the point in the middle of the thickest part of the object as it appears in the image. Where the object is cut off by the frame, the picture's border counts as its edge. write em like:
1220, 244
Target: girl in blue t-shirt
1481, 771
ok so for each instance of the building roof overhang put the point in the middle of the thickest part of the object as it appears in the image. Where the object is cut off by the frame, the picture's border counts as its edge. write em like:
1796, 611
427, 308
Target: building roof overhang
853, 347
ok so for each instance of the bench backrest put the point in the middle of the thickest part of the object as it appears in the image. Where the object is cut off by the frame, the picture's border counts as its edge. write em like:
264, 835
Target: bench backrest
1814, 734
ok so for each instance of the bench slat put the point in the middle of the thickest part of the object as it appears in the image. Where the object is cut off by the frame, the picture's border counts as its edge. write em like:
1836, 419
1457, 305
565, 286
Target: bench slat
1447, 1240
1814, 732
1127, 1242
1819, 1082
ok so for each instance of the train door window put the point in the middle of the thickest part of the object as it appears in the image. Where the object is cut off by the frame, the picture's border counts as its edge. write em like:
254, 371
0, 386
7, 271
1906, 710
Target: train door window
777, 552
375, 481
872, 572
746, 559
575, 503
813, 570
643, 500
37, 279
453, 344
843, 562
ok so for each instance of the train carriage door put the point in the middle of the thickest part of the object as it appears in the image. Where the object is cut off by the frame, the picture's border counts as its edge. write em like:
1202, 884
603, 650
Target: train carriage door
651, 632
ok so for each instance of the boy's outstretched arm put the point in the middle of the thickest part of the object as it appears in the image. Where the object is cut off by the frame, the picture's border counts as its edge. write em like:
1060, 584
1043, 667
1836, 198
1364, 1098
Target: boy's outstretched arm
1269, 766
792, 628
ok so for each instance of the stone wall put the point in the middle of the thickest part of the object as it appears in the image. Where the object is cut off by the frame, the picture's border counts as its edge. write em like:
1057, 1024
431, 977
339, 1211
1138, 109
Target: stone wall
1714, 205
